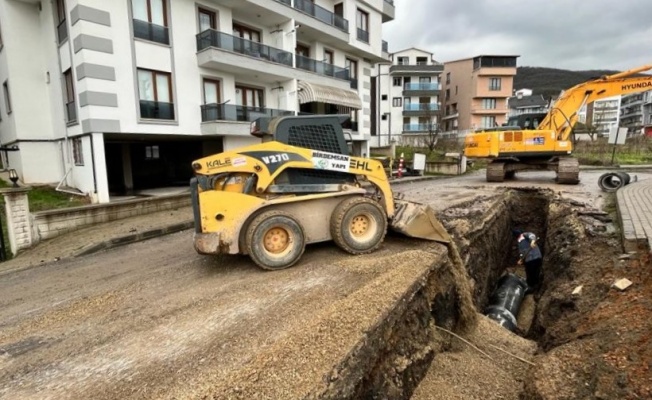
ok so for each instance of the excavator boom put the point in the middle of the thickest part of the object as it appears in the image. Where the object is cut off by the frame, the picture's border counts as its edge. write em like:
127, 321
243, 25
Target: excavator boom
549, 145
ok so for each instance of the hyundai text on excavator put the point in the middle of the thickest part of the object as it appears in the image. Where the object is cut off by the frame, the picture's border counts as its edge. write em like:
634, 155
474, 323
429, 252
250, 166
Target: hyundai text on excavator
299, 186
549, 145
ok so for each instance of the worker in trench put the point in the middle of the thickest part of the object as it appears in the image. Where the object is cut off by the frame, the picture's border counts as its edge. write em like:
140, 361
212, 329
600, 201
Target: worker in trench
530, 255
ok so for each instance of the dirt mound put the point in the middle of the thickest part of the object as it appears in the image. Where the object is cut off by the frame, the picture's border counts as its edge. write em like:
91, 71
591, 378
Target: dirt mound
463, 374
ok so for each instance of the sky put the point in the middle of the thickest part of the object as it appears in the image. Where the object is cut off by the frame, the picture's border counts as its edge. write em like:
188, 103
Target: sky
566, 34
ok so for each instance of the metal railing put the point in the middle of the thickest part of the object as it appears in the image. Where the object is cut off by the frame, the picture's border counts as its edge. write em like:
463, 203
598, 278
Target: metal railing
418, 127
422, 86
385, 45
151, 32
321, 68
221, 40
71, 112
322, 14
231, 112
421, 107
62, 31
363, 35
156, 110
354, 83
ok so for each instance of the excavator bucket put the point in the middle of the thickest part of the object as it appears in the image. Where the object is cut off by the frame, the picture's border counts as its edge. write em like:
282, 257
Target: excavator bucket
418, 221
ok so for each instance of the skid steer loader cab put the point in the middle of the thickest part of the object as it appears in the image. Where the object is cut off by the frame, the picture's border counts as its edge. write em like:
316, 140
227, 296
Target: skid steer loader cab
299, 186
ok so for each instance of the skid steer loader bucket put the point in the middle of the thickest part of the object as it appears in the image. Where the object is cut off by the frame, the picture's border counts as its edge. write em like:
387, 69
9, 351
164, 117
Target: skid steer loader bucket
418, 221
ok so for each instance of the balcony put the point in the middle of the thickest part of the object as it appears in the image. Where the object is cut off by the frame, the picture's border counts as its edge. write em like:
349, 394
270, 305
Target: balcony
220, 40
363, 35
421, 89
420, 109
230, 112
388, 10
321, 68
354, 83
288, 2
489, 111
156, 110
62, 31
385, 46
413, 128
321, 14
151, 32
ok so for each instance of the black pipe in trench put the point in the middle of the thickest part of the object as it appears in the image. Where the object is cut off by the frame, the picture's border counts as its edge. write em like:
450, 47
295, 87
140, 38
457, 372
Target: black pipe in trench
506, 301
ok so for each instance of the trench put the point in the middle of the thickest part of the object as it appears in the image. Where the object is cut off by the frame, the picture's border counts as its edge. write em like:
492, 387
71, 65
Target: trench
420, 356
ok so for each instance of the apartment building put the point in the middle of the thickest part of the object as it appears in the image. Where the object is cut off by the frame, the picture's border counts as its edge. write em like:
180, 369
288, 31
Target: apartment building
526, 104
635, 112
405, 95
476, 91
603, 115
114, 97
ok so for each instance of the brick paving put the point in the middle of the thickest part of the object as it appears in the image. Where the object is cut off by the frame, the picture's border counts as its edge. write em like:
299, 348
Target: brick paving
635, 209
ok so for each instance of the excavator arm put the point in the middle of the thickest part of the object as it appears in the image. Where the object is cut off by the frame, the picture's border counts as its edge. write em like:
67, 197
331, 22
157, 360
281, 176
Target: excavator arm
564, 113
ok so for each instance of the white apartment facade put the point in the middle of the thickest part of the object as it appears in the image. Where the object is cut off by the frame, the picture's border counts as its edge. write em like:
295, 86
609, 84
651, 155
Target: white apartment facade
111, 97
604, 115
406, 97
635, 113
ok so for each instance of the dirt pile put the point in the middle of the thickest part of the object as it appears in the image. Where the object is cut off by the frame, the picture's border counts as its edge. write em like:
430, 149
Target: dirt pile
479, 368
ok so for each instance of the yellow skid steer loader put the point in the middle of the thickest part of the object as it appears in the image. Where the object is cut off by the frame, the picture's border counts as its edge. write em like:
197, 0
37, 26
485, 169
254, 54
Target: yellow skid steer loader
299, 186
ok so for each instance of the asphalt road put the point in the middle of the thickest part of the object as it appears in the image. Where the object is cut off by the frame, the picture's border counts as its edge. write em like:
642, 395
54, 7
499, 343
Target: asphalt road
144, 320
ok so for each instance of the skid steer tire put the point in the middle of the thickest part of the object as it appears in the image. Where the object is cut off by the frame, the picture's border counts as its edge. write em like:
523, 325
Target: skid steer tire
358, 225
275, 240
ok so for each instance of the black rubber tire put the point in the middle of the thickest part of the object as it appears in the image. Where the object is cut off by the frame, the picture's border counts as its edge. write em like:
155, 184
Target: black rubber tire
263, 224
370, 214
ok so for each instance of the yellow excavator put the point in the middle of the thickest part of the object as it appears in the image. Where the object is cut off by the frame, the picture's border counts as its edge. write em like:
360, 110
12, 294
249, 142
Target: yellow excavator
298, 186
549, 145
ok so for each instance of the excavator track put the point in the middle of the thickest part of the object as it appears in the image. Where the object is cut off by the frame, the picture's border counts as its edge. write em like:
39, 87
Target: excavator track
568, 171
496, 172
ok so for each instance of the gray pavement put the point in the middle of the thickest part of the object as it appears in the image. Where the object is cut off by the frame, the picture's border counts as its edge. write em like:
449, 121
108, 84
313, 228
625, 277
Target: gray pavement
635, 210
112, 234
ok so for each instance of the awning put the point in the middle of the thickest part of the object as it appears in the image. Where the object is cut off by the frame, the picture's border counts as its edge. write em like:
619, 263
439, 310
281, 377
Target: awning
309, 92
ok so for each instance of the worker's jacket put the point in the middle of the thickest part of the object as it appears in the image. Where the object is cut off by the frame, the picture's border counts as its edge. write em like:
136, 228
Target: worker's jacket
527, 252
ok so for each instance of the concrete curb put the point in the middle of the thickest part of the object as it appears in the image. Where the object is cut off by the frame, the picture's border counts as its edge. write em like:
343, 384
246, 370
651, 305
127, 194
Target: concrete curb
136, 237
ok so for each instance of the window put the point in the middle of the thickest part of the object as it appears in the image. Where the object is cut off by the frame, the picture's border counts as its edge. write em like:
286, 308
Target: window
448, 77
155, 91
352, 67
249, 97
5, 87
328, 57
211, 91
424, 79
422, 60
404, 61
207, 19
151, 20
398, 82
362, 22
448, 94
384, 117
397, 102
69, 97
494, 83
152, 152
302, 50
488, 121
489, 104
246, 33
60, 14
77, 151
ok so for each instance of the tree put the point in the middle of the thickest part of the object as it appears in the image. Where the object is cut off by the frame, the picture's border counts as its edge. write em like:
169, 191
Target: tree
431, 137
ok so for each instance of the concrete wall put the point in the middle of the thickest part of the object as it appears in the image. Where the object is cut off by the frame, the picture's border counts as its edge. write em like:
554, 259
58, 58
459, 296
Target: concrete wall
49, 224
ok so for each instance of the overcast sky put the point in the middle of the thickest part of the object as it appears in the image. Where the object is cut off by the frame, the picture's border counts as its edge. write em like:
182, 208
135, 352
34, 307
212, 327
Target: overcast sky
567, 34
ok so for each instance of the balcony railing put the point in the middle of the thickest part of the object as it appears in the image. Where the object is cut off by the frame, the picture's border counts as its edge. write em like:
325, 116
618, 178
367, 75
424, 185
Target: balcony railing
231, 112
418, 127
354, 83
62, 31
322, 14
156, 110
71, 112
221, 40
421, 107
363, 35
151, 32
321, 68
390, 2
422, 86
385, 45
288, 2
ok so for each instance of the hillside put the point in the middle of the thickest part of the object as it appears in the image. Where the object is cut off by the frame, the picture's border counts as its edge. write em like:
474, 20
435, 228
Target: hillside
549, 81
